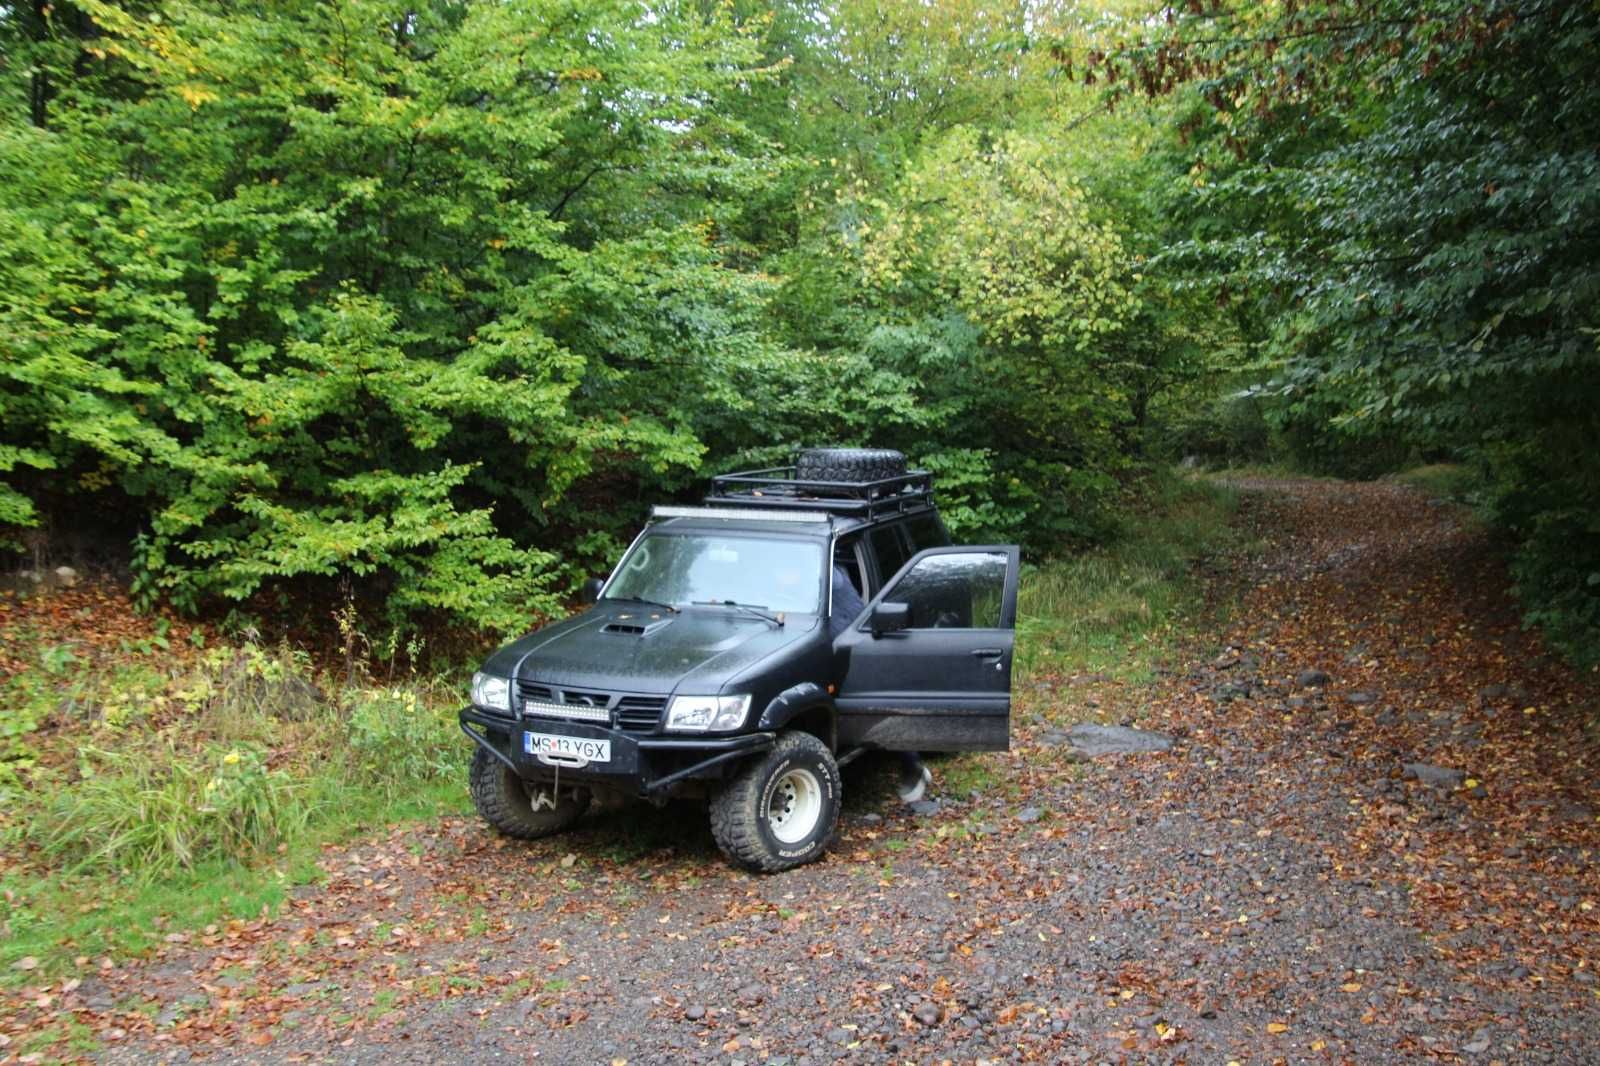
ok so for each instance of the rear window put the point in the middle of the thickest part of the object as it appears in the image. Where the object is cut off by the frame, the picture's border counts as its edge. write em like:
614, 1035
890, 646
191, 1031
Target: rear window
927, 532
890, 550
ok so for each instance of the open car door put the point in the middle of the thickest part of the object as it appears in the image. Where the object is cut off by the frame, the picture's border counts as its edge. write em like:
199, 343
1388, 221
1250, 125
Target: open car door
927, 665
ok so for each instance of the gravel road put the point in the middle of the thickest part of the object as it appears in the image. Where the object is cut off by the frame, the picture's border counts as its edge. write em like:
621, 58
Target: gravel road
1275, 888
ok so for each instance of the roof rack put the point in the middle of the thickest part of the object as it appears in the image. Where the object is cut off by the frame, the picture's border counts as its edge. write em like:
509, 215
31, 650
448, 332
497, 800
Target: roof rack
778, 487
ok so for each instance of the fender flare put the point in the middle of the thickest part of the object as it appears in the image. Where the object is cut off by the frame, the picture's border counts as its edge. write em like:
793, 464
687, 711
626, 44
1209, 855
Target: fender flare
793, 702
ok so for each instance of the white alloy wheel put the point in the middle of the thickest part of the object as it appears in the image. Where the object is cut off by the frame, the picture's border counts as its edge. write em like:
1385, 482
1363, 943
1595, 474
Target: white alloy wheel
795, 806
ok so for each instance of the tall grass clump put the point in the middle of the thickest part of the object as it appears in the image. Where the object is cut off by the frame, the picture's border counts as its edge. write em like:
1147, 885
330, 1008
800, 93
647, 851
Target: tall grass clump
146, 814
1081, 613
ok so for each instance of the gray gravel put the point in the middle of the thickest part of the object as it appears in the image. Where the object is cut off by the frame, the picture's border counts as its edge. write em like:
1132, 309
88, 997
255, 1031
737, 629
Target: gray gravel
1247, 891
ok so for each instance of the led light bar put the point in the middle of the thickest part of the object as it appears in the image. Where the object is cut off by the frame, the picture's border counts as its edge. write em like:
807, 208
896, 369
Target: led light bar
740, 514
581, 712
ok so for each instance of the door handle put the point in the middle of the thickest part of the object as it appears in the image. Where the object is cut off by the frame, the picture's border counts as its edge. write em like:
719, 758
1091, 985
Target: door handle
987, 653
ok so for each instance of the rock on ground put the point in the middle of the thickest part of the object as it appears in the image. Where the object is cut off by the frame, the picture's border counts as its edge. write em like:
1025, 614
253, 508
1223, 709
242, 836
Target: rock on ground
1095, 740
1428, 774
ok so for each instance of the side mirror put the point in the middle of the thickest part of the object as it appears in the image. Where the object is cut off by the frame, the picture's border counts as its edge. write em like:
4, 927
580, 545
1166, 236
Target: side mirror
890, 618
591, 590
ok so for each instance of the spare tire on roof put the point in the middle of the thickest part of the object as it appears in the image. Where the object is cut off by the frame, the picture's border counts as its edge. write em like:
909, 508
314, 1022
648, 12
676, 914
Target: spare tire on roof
849, 464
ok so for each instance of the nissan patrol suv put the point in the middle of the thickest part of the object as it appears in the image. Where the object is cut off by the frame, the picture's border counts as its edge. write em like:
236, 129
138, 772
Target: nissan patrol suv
744, 650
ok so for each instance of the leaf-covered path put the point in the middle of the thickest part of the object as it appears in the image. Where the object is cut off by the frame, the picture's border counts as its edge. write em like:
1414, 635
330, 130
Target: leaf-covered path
1275, 888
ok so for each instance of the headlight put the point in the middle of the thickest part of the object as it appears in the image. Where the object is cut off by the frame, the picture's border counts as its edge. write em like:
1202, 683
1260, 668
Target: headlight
491, 693
707, 714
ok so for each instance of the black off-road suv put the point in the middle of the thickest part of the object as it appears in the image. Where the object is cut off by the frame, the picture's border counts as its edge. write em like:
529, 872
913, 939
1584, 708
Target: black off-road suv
706, 666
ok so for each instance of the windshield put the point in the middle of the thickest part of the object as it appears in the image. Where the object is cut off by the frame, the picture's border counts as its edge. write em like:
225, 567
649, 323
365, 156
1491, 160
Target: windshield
679, 568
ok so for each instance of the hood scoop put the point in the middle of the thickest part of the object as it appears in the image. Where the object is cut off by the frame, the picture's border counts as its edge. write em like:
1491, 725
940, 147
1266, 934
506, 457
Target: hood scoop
635, 625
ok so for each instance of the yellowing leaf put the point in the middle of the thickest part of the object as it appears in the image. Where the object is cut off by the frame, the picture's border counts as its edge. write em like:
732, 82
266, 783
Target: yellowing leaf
194, 95
1277, 1027
1350, 986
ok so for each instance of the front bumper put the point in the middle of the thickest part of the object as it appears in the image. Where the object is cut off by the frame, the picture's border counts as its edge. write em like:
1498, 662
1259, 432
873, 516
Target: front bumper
642, 765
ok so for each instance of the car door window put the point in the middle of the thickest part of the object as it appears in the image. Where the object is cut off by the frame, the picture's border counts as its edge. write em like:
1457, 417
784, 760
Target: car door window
964, 590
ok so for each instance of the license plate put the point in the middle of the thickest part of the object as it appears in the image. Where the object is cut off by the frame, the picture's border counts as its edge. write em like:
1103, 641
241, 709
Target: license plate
566, 747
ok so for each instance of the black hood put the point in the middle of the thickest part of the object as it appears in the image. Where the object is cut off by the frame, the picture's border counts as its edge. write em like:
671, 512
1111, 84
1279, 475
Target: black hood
626, 647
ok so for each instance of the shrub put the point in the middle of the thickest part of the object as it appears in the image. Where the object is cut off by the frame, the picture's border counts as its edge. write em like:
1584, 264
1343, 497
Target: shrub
250, 685
1230, 430
395, 738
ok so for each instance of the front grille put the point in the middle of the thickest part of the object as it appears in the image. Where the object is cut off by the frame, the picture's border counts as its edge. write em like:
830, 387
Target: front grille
640, 714
635, 714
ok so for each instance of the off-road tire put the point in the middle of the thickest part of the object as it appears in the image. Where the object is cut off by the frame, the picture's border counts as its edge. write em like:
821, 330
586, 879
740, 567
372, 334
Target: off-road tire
505, 803
849, 464
740, 819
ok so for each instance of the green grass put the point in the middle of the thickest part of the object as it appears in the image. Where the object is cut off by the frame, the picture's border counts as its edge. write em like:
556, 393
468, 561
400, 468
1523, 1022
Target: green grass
196, 791
59, 916
1112, 610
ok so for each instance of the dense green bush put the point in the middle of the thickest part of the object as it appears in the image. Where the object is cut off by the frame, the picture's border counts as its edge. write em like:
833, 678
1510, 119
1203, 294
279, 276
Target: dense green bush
1312, 432
434, 298
365, 291
1229, 430
431, 300
1548, 496
396, 739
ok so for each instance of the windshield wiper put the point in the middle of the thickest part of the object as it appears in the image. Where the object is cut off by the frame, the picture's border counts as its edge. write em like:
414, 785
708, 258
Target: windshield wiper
748, 608
648, 603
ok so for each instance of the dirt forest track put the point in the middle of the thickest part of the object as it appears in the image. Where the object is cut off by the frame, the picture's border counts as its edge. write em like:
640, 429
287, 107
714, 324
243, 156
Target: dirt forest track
1273, 889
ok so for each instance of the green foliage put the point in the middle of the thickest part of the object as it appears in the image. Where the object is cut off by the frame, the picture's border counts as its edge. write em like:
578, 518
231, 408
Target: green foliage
397, 740
241, 692
370, 291
1401, 199
1001, 232
1226, 430
1545, 488
429, 301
